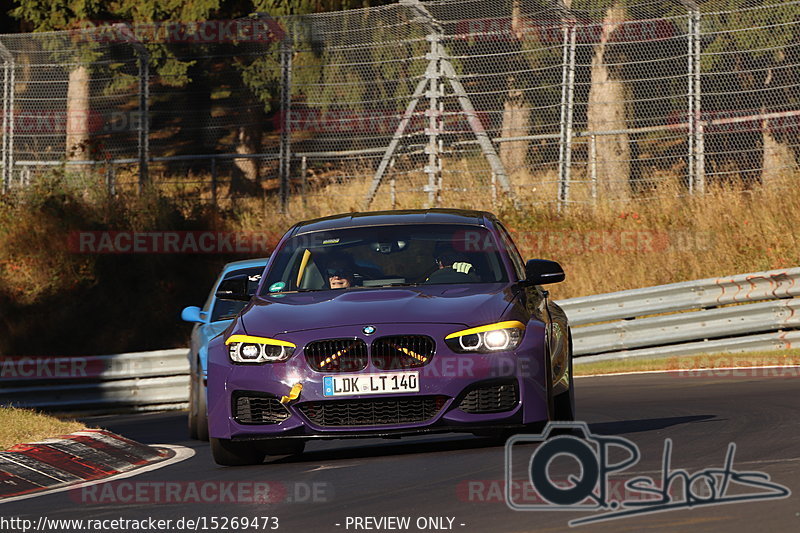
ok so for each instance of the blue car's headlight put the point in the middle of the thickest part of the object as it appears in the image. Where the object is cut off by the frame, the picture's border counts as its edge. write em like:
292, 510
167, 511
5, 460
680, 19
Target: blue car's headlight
256, 350
497, 337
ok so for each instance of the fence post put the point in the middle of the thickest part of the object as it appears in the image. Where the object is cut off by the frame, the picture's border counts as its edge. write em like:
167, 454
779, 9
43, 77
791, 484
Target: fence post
434, 165
392, 185
7, 145
144, 109
593, 166
692, 118
286, 111
304, 179
214, 181
699, 141
567, 96
111, 179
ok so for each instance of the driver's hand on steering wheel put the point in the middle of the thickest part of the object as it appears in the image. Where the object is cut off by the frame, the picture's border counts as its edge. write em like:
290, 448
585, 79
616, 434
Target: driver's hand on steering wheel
463, 267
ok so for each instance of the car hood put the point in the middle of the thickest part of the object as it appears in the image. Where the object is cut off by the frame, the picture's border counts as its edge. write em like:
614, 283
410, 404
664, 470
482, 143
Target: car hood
290, 312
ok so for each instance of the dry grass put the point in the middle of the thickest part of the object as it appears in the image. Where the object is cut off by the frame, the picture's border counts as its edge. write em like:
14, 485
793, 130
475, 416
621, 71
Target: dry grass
23, 425
783, 358
663, 237
656, 237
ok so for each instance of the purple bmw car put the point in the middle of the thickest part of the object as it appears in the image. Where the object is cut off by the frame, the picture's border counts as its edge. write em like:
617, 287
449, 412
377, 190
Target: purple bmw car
386, 324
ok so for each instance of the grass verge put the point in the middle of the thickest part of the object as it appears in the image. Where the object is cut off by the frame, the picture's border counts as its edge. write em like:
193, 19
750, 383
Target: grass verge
783, 358
25, 425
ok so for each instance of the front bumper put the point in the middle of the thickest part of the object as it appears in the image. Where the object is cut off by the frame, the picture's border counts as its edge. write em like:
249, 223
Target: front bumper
444, 383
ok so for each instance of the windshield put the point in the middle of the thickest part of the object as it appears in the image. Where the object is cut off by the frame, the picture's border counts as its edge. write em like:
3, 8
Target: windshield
386, 256
226, 309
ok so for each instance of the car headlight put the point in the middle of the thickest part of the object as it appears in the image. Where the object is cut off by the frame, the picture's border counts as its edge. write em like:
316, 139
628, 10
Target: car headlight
497, 337
256, 350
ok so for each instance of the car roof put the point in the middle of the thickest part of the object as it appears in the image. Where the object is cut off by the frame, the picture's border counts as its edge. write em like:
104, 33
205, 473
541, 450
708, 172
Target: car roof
246, 263
382, 218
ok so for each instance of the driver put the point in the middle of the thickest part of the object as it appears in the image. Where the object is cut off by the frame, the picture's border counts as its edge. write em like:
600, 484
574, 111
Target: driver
340, 274
453, 261
452, 268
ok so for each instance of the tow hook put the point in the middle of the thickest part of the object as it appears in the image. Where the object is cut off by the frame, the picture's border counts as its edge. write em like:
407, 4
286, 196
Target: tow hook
293, 394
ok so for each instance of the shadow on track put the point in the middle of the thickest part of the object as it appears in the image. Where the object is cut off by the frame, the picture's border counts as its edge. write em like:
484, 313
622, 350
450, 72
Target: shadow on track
646, 424
467, 442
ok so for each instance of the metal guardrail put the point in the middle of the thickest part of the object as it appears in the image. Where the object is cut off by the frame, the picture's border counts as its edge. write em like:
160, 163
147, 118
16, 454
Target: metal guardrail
745, 312
157, 380
756, 311
699, 294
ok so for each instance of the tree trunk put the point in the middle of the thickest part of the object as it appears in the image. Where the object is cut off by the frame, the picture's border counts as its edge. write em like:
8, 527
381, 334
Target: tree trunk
778, 160
77, 122
516, 123
516, 118
248, 141
607, 111
778, 157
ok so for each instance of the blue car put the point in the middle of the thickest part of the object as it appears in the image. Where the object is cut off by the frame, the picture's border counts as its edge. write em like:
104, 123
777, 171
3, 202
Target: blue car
216, 315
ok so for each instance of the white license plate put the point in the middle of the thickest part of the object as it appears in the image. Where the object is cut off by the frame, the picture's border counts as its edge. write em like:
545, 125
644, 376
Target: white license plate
370, 384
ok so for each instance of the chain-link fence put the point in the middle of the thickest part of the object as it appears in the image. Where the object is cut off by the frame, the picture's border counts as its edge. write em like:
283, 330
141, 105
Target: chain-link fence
444, 102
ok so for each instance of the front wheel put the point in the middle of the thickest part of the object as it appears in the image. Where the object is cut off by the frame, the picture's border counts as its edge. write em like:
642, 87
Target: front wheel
564, 403
229, 453
198, 412
193, 408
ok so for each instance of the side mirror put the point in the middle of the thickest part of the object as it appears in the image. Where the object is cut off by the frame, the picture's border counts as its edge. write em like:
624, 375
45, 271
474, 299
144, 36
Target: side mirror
234, 288
193, 314
542, 272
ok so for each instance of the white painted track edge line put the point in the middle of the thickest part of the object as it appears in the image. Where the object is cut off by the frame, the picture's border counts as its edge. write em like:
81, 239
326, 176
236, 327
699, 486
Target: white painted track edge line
674, 370
181, 454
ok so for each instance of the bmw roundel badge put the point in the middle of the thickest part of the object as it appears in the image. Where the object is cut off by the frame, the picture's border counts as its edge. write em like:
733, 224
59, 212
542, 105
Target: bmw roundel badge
368, 330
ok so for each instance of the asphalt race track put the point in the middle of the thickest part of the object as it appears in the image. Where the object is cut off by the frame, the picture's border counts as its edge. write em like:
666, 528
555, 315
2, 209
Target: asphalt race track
435, 479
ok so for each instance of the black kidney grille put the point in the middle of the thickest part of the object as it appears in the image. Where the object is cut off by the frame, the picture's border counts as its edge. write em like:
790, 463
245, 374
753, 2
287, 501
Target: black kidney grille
372, 412
258, 408
402, 351
337, 355
493, 398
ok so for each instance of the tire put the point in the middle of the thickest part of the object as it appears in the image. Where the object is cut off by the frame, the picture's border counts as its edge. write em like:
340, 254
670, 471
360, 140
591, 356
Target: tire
564, 403
202, 411
229, 453
193, 408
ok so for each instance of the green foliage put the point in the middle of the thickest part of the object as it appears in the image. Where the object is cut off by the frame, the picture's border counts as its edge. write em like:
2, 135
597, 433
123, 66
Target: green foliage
759, 31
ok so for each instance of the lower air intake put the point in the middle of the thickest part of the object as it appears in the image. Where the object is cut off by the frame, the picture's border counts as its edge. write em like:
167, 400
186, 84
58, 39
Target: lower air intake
258, 408
373, 412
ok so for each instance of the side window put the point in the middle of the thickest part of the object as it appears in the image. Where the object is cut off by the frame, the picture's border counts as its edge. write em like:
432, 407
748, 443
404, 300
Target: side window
513, 253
